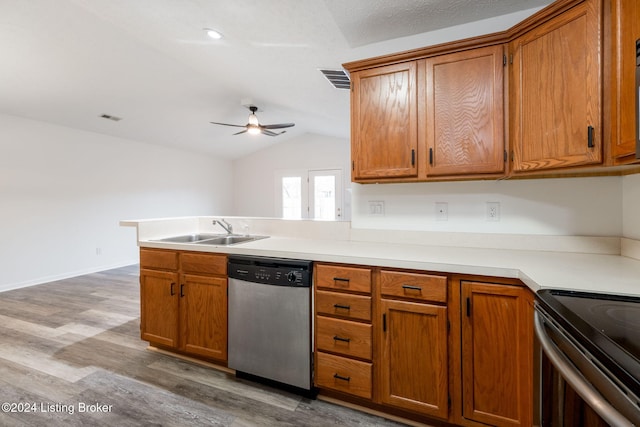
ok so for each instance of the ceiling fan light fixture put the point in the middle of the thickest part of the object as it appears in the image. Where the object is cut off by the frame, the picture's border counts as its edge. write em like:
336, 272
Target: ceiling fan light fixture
253, 120
253, 129
216, 35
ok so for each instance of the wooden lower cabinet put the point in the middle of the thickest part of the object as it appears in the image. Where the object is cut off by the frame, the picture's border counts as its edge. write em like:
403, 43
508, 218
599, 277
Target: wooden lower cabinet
345, 375
203, 316
497, 354
414, 359
159, 307
183, 302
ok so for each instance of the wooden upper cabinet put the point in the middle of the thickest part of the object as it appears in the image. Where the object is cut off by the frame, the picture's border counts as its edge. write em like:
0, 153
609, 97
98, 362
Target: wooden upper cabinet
556, 92
384, 127
462, 119
625, 31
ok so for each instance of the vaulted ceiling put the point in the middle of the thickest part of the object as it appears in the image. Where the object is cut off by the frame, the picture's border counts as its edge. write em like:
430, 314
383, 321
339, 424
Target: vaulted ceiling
150, 63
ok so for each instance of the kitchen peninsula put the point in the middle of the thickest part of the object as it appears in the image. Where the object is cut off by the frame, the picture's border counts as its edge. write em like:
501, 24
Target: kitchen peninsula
428, 294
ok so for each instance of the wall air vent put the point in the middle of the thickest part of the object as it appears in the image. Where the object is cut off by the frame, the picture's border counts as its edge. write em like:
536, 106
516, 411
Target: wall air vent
110, 117
338, 78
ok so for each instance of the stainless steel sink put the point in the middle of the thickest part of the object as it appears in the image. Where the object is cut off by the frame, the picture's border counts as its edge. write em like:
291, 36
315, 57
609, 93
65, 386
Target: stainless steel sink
212, 239
189, 238
230, 240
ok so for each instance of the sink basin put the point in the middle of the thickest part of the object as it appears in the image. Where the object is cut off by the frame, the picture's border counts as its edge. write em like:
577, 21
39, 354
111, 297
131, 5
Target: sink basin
189, 238
212, 239
229, 240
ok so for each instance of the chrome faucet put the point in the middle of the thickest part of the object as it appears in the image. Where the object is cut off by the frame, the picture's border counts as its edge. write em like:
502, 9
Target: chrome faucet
224, 224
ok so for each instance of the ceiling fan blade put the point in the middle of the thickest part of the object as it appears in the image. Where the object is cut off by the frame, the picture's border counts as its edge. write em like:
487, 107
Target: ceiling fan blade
228, 124
278, 126
238, 133
268, 132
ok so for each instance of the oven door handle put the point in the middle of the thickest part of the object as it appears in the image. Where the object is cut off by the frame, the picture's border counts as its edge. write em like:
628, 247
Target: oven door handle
591, 396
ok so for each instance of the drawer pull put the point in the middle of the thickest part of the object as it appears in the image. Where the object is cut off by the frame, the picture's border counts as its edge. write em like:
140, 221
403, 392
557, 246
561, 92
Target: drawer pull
173, 285
340, 279
344, 307
337, 338
340, 377
414, 288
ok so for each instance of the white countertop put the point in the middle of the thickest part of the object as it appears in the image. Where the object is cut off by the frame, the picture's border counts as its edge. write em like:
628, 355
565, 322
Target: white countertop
537, 269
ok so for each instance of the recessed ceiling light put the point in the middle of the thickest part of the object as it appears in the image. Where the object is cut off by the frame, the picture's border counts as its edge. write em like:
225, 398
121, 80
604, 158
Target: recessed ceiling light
216, 35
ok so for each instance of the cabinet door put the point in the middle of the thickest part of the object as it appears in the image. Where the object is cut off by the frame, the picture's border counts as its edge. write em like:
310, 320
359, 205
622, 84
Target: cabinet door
384, 117
497, 352
464, 117
159, 307
414, 357
203, 316
626, 30
556, 92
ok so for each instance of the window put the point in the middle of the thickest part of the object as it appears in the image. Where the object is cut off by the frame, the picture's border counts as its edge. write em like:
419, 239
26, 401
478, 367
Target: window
309, 194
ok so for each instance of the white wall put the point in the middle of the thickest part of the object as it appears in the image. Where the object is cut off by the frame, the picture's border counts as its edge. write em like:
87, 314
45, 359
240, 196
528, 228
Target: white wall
64, 191
631, 206
254, 175
567, 206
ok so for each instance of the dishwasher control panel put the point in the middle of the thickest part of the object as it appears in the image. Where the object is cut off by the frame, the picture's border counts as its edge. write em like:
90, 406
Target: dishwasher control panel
271, 271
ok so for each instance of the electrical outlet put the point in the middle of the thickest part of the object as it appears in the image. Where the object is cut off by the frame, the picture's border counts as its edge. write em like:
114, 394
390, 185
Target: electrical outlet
376, 208
442, 211
493, 211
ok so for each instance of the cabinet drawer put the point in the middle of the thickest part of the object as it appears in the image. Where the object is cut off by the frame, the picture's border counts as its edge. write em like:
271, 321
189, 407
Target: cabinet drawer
414, 285
345, 305
342, 374
344, 337
343, 278
158, 259
192, 262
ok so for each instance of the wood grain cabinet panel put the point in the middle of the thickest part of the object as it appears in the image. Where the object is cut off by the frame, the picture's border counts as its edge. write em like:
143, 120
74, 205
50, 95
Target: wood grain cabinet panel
203, 310
344, 337
556, 92
414, 357
384, 122
356, 307
343, 278
463, 116
203, 263
158, 259
625, 16
344, 375
159, 307
497, 352
184, 312
413, 285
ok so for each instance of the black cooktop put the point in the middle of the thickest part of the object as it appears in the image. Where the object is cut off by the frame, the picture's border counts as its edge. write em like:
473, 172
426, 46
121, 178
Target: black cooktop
608, 326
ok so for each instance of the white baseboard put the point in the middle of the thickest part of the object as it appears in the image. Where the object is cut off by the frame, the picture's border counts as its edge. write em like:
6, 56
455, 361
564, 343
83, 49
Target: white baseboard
67, 275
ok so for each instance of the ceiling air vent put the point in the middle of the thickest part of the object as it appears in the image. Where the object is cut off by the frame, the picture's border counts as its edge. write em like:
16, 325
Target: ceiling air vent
338, 78
110, 117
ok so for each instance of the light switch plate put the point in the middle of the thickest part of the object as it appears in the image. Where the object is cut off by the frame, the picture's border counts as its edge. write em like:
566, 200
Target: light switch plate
376, 208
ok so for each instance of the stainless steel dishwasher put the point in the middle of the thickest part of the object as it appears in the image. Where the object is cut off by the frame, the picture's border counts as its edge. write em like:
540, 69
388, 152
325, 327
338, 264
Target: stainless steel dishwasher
270, 319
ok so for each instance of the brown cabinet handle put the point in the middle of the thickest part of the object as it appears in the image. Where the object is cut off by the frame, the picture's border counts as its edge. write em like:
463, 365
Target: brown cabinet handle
340, 279
181, 291
344, 307
173, 284
340, 377
413, 288
337, 338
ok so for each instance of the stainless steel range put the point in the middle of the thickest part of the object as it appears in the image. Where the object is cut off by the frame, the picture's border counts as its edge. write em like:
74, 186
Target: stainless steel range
591, 358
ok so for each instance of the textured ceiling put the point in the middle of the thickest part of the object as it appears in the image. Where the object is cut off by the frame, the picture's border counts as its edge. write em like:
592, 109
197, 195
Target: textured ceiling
149, 62
363, 21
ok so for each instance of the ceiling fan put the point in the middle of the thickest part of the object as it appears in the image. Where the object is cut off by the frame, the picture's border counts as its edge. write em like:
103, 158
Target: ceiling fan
254, 127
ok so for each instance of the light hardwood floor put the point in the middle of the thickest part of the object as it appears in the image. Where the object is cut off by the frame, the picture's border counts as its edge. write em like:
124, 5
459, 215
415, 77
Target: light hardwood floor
74, 343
